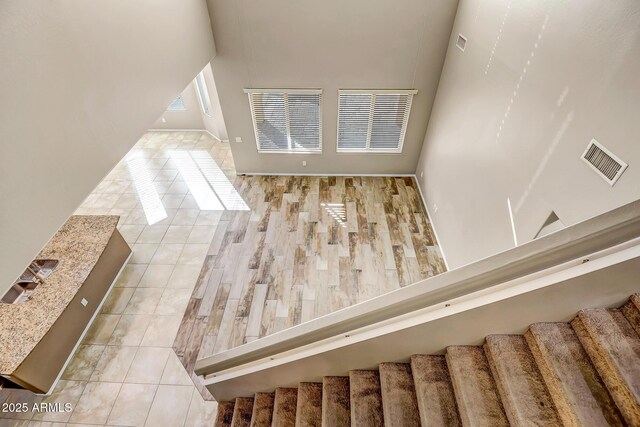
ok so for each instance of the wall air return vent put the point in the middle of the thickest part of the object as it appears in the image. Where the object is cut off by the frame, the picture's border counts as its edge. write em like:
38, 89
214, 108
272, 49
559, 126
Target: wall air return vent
604, 162
461, 42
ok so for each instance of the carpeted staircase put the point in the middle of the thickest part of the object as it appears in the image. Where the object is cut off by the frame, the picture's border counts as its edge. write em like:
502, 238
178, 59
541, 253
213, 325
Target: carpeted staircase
583, 373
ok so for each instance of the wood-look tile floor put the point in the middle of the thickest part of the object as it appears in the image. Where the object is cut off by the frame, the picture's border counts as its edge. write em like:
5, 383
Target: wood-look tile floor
307, 246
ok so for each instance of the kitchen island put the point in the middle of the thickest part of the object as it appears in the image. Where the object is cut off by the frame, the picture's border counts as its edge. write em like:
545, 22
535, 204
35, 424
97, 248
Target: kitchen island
38, 336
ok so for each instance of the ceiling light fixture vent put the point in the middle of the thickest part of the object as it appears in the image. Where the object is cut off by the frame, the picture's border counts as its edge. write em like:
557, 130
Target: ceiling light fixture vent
604, 162
461, 43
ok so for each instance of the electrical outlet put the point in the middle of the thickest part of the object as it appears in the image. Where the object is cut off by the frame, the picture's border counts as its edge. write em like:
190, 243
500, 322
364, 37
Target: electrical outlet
84, 302
421, 174
164, 120
238, 139
435, 208
304, 163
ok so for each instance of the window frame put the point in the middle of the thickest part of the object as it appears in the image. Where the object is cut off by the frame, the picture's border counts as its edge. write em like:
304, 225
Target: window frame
201, 88
373, 93
285, 93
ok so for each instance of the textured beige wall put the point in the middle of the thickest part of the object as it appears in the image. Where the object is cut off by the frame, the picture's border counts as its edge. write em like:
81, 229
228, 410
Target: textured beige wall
80, 82
331, 44
515, 111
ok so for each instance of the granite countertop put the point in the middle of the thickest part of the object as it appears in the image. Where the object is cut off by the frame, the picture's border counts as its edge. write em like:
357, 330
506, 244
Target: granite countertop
77, 246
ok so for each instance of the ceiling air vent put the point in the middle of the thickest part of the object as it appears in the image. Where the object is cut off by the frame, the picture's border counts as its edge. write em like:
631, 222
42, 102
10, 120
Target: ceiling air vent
604, 162
461, 42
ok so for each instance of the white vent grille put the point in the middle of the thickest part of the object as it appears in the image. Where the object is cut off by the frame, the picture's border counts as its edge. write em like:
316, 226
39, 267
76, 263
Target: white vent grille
286, 120
461, 42
373, 121
604, 162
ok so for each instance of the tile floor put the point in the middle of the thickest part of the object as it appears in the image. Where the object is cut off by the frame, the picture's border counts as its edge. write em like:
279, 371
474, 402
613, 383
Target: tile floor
306, 247
125, 373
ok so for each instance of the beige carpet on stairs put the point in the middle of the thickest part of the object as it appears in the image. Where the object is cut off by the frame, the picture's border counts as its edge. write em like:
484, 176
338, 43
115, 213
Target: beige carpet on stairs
582, 373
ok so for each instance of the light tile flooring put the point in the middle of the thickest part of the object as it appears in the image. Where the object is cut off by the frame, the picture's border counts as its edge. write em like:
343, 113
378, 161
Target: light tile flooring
125, 372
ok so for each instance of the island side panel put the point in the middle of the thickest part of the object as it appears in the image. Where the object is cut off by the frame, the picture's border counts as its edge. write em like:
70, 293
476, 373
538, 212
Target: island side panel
42, 366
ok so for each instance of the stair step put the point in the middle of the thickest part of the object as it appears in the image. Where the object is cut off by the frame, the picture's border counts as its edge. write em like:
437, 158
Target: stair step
336, 403
224, 416
242, 411
284, 407
583, 373
613, 346
262, 410
309, 406
366, 399
476, 392
631, 311
434, 391
399, 403
575, 386
524, 396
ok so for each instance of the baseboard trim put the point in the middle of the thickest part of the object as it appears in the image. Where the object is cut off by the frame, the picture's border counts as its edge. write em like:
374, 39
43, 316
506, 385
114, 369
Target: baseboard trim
190, 130
399, 175
176, 130
226, 141
433, 224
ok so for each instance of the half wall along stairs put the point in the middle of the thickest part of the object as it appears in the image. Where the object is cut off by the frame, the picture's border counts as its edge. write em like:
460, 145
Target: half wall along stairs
582, 373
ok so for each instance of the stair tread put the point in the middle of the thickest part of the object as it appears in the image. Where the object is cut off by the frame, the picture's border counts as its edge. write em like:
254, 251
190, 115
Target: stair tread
635, 299
366, 399
574, 384
613, 346
399, 403
631, 311
309, 405
242, 412
262, 410
581, 373
474, 388
434, 391
336, 404
284, 407
524, 395
224, 417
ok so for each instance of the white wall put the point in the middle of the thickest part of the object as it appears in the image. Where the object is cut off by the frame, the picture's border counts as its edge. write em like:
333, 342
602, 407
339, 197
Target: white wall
514, 112
191, 118
330, 44
80, 82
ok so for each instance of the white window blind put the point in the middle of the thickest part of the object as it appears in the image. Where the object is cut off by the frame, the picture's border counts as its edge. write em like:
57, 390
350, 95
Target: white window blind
373, 121
177, 105
286, 120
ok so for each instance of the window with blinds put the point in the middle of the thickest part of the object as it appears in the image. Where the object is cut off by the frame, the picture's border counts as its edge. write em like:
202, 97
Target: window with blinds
373, 121
177, 105
286, 120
